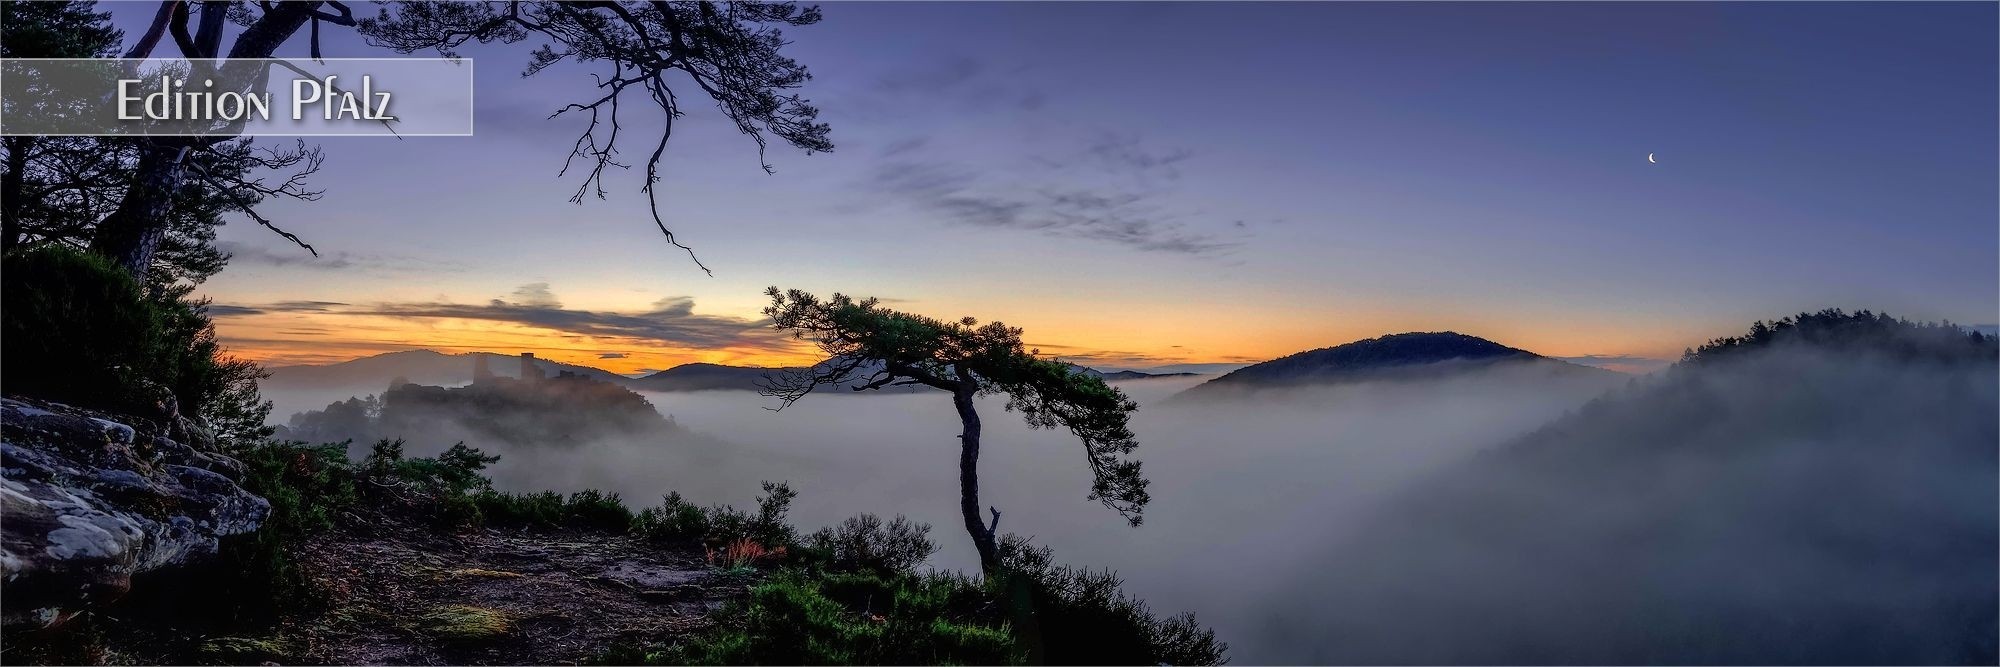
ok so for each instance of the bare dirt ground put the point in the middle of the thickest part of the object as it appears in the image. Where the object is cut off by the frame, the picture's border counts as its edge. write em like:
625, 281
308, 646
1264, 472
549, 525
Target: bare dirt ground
398, 591
404, 594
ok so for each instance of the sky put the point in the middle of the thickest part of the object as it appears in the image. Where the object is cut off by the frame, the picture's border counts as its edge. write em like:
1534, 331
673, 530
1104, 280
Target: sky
1139, 185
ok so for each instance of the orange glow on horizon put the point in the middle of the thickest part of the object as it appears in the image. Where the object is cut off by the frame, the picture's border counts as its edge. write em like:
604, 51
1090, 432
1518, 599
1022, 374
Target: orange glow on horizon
295, 338
283, 339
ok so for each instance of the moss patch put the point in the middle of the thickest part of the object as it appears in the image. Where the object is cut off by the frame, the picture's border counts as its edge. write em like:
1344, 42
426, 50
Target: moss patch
484, 573
464, 622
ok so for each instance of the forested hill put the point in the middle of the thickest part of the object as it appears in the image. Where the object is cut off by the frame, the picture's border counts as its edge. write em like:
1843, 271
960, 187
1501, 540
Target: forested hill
1818, 490
1860, 332
1395, 356
703, 377
419, 366
498, 412
370, 374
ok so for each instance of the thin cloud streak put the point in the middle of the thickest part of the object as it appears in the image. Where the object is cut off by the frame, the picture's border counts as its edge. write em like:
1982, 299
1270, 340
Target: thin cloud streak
1126, 218
670, 321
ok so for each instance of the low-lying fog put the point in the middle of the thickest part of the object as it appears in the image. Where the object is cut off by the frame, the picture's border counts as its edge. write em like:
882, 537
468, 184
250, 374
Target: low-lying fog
1805, 503
1237, 491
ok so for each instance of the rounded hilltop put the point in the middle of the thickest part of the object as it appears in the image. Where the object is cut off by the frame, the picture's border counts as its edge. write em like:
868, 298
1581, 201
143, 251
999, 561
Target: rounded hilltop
1395, 356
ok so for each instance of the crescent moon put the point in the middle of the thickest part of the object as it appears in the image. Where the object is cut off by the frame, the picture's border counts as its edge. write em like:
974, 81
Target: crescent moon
1649, 158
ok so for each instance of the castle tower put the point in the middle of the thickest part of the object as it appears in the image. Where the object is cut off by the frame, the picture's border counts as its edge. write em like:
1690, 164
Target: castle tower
529, 371
481, 370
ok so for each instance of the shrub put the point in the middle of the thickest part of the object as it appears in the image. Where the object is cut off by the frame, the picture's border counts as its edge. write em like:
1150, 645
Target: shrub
588, 508
206, 383
441, 486
457, 510
76, 329
1082, 617
767, 526
863, 542
676, 519
834, 610
452, 474
595, 509
792, 619
383, 458
456, 472
307, 486
538, 510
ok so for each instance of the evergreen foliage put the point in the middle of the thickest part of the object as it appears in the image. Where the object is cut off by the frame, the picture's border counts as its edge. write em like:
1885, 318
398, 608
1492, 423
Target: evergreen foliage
75, 329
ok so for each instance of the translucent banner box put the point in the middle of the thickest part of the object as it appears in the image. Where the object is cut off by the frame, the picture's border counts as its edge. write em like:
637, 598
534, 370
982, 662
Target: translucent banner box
300, 97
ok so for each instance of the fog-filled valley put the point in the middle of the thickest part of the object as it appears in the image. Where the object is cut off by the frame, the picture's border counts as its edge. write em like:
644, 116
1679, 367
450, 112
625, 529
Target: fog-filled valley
1793, 506
1801, 503
966, 333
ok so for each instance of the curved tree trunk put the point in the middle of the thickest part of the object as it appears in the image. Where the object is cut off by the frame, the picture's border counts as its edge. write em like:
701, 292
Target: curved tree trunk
11, 184
968, 481
132, 233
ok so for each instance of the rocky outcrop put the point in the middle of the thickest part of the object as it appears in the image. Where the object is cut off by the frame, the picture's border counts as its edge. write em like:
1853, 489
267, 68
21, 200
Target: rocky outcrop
91, 499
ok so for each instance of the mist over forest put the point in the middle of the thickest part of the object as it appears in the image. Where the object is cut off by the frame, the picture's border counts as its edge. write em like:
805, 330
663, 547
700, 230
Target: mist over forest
274, 395
1800, 502
1242, 486
1793, 506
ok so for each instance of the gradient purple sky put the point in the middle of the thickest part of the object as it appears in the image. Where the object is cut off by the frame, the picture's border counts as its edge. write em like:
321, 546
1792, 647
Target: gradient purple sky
1141, 184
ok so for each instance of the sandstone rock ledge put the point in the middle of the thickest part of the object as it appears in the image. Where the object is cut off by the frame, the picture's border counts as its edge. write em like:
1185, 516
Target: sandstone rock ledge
87, 500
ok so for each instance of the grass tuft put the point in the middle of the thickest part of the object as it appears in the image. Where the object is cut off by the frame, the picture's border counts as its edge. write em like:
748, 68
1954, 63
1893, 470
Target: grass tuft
239, 650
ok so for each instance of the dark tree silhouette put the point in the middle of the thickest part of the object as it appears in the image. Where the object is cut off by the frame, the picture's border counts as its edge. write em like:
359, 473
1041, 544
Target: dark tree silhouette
871, 347
55, 190
728, 50
1834, 328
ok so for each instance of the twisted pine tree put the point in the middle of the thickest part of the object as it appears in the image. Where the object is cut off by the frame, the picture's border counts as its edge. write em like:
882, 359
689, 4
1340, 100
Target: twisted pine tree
870, 347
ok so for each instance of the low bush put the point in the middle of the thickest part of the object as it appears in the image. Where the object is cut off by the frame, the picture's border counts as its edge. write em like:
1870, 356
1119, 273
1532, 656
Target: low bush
534, 510
307, 486
548, 510
591, 508
76, 329
1077, 616
441, 487
826, 609
678, 520
767, 526
674, 520
864, 542
456, 472
793, 619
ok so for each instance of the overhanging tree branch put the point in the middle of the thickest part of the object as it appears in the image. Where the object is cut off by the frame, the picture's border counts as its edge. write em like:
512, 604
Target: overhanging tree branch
733, 57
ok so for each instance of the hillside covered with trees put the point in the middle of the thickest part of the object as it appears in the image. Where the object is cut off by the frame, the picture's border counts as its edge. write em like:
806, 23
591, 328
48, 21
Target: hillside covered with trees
562, 411
1817, 490
1392, 358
